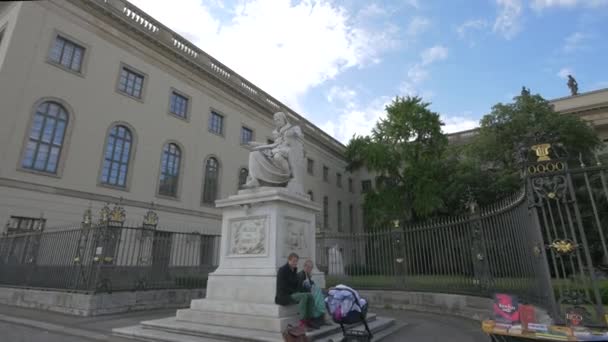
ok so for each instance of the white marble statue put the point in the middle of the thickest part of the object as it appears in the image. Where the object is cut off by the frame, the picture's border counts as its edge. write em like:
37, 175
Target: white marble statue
336, 261
280, 163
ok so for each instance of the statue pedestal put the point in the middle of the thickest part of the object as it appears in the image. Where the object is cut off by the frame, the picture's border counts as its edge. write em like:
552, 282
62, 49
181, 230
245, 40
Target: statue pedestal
260, 227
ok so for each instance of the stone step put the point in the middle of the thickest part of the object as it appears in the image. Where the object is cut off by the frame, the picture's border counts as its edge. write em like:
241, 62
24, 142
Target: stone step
172, 330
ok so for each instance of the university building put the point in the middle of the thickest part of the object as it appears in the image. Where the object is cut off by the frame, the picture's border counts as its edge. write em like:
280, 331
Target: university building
103, 104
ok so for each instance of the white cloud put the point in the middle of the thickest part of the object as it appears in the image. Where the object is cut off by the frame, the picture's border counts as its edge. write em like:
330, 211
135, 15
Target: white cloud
539, 5
372, 10
417, 74
465, 30
417, 26
433, 54
356, 118
574, 41
564, 72
341, 94
413, 3
297, 48
508, 21
458, 123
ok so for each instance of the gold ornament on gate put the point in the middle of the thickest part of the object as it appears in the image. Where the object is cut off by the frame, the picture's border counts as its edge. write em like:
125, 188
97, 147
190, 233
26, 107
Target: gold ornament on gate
542, 152
563, 246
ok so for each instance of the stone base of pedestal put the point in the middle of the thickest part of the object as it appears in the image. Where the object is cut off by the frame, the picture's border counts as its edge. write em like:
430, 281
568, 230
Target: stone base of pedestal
175, 330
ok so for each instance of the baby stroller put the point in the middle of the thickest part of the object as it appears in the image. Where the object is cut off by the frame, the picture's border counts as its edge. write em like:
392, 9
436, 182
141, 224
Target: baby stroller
346, 307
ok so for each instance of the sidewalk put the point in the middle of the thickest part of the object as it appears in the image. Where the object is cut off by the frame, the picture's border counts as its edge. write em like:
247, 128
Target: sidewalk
30, 325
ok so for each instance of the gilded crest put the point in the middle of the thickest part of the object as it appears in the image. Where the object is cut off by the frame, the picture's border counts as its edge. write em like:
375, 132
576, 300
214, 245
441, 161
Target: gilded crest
542, 152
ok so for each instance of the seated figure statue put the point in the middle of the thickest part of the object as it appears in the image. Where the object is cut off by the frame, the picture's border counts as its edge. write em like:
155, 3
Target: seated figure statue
281, 162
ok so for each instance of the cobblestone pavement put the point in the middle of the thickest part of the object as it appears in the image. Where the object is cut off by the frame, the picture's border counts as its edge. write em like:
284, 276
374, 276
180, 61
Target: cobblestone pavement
26, 325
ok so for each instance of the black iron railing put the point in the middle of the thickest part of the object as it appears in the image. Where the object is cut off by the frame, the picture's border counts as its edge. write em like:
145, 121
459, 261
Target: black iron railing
106, 258
491, 250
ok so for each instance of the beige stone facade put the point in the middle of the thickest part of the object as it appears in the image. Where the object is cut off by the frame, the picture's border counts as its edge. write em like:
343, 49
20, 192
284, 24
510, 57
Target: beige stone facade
591, 107
105, 65
96, 95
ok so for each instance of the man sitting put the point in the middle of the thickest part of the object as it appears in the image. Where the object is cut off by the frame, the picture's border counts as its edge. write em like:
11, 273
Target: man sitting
289, 291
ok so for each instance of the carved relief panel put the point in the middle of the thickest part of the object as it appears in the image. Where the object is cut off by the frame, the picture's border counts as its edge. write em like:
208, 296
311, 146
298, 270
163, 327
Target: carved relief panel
297, 238
248, 236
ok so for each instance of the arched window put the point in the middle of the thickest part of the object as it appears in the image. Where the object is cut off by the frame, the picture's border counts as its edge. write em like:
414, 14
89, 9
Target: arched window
46, 137
243, 174
117, 156
212, 169
169, 170
310, 194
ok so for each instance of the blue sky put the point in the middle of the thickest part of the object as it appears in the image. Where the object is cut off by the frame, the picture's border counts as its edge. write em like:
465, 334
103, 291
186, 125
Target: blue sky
338, 63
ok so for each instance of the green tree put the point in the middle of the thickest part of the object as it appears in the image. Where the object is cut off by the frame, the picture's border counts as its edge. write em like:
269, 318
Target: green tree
508, 125
405, 151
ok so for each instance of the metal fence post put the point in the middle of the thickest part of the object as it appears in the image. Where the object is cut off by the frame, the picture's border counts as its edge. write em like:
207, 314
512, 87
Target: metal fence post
481, 271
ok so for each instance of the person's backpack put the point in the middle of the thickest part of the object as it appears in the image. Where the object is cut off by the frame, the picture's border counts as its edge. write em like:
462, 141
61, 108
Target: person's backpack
295, 334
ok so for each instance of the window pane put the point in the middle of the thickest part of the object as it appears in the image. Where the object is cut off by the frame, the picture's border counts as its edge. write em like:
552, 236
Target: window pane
77, 60
53, 158
57, 48
41, 158
47, 133
28, 158
59, 130
37, 127
66, 57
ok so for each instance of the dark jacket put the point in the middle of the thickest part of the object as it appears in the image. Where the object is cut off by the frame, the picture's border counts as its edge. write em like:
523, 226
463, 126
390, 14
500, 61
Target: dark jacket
287, 284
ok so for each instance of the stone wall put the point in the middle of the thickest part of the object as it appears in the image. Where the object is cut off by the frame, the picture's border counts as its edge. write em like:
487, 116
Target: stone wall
471, 307
82, 304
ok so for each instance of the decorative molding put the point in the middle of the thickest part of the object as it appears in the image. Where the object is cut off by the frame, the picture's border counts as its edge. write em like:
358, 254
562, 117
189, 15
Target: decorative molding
18, 184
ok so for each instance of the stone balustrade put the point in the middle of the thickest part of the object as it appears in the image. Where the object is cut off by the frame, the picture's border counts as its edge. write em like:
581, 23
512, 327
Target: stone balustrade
162, 35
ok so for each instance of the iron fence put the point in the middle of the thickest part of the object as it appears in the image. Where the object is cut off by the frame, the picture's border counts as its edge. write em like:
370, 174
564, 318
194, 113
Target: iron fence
108, 258
491, 250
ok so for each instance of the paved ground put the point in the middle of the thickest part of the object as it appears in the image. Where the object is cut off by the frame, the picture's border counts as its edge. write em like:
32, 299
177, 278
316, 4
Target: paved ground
26, 325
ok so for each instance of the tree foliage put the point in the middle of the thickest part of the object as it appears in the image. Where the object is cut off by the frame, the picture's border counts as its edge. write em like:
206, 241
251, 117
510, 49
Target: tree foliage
404, 150
420, 175
510, 128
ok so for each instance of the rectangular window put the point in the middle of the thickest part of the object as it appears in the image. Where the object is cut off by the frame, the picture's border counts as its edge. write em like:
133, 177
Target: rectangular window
310, 166
131, 82
325, 212
351, 218
338, 179
325, 173
21, 224
67, 54
366, 186
339, 214
178, 105
216, 123
246, 135
350, 185
269, 141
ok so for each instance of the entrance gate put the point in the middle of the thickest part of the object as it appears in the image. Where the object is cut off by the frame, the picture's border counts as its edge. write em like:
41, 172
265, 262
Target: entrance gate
570, 206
